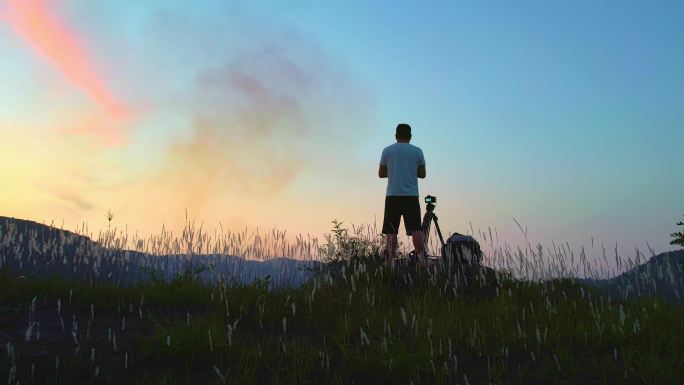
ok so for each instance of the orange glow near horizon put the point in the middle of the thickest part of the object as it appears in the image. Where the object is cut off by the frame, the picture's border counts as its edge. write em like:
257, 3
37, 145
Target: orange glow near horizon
33, 22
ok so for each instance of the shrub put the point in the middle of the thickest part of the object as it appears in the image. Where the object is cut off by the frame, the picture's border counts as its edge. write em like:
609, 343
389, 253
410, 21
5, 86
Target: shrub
678, 237
343, 246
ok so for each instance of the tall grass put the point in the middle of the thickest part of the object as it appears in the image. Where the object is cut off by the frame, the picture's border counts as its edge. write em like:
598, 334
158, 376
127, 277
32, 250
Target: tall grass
352, 322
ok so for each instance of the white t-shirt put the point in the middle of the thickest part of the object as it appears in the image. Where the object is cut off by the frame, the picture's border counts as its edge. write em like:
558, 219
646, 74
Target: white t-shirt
402, 161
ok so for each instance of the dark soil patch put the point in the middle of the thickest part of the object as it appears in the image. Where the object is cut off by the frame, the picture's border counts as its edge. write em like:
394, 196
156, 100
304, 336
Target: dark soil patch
60, 346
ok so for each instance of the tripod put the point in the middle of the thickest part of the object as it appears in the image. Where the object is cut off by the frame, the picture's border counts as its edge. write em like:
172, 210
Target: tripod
428, 218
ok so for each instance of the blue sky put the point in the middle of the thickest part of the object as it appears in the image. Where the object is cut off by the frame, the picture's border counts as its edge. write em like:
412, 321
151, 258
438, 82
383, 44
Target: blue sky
564, 115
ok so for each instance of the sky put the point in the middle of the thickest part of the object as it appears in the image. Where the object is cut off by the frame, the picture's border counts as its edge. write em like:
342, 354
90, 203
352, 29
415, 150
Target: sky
563, 116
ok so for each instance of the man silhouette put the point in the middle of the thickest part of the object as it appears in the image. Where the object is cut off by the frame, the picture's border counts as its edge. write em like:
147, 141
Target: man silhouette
402, 163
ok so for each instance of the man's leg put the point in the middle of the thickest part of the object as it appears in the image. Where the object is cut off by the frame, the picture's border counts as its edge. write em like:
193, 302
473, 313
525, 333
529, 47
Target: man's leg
414, 227
391, 245
390, 226
419, 245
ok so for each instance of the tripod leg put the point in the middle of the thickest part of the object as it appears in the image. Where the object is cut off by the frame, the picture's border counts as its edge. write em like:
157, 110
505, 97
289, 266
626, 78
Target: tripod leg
427, 221
439, 231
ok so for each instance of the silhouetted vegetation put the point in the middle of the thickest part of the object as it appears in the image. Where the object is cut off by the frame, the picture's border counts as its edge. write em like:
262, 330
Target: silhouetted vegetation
357, 323
678, 236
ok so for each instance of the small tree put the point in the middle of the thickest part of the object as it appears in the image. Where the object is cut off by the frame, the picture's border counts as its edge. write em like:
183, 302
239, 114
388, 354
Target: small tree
678, 237
343, 246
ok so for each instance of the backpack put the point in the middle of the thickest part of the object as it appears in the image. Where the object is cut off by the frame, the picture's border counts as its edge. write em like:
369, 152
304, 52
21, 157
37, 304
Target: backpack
462, 249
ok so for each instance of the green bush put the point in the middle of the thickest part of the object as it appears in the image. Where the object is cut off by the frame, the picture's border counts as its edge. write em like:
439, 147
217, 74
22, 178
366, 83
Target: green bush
678, 237
343, 246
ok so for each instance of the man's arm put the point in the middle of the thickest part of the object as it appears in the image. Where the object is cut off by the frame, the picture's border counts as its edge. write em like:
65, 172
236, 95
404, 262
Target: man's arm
421, 164
382, 172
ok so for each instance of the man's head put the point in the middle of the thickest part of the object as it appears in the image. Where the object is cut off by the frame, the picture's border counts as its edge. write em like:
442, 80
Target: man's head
403, 133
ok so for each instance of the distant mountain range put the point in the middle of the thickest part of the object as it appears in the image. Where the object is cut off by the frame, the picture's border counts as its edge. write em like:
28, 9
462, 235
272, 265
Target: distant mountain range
32, 249
661, 276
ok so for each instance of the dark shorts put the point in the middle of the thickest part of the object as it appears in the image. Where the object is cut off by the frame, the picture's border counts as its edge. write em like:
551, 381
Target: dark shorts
398, 206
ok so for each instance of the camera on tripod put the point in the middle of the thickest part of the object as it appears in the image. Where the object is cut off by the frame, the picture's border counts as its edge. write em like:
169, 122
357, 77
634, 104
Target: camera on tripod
459, 247
430, 201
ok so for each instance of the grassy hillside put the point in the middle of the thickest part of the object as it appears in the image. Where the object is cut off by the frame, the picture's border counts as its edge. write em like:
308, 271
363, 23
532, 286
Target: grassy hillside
662, 276
354, 322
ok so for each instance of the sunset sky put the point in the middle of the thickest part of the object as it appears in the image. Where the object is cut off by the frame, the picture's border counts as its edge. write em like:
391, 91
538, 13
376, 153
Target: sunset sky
567, 116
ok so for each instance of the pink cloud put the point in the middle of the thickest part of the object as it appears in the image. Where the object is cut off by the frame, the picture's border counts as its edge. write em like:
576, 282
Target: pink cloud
34, 22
